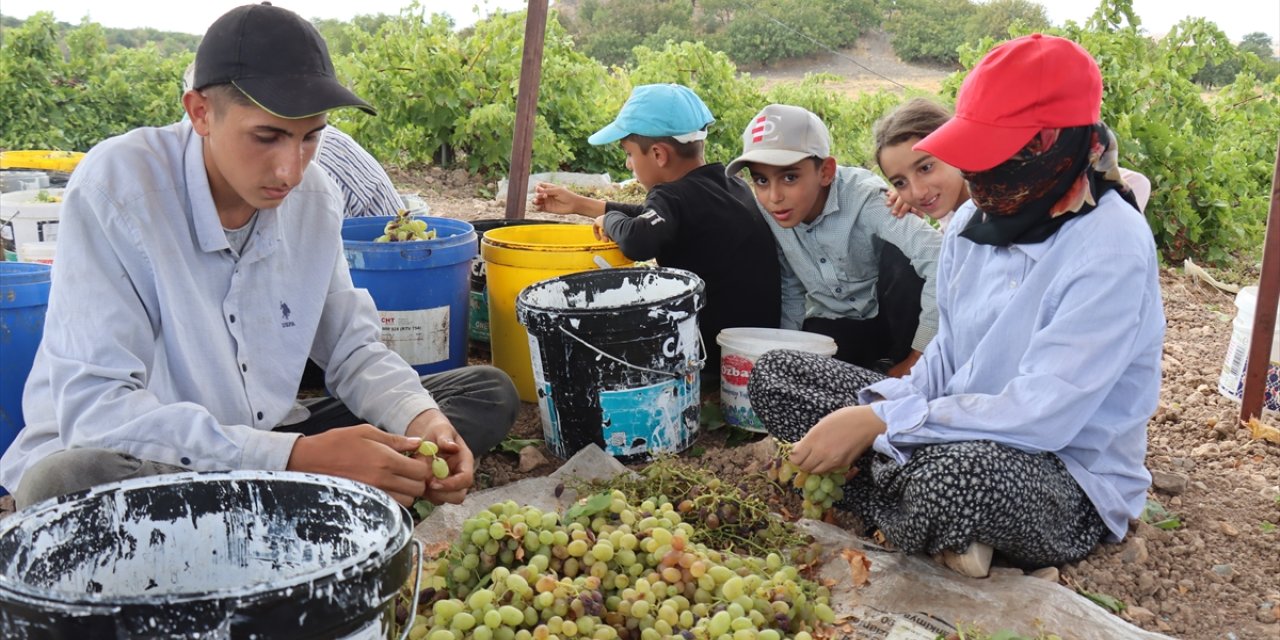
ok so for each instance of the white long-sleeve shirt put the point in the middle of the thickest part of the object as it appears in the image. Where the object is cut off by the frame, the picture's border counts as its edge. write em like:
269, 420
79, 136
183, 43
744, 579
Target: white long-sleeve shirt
1053, 346
160, 343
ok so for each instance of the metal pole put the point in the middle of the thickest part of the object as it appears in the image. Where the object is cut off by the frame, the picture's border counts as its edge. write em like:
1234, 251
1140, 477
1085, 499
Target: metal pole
535, 31
1264, 314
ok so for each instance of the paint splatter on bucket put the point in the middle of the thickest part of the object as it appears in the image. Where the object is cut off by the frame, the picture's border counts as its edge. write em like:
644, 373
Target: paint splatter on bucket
616, 359
241, 554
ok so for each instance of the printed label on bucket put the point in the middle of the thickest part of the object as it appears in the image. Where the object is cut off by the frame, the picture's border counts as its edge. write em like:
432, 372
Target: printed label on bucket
735, 407
1231, 382
478, 320
656, 418
420, 336
546, 407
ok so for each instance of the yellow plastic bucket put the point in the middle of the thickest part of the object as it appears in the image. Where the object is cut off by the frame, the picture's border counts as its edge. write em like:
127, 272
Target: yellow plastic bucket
65, 161
516, 257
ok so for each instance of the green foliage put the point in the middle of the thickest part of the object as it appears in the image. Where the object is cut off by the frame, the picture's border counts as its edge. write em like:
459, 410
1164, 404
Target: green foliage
732, 99
68, 94
449, 98
608, 31
750, 33
1110, 603
848, 119
929, 30
995, 18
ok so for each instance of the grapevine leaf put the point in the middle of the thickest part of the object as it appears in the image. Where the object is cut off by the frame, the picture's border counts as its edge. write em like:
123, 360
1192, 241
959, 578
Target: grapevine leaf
589, 507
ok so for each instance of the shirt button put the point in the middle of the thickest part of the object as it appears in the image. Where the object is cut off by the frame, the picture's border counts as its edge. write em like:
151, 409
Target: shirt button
259, 415
822, 260
244, 367
839, 290
233, 318
185, 460
1013, 284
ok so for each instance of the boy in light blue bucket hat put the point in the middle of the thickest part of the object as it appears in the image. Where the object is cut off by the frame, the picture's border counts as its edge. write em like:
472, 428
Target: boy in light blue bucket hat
695, 217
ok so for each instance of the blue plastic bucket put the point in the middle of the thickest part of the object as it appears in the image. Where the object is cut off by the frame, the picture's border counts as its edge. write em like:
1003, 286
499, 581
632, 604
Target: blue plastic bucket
616, 357
24, 296
421, 288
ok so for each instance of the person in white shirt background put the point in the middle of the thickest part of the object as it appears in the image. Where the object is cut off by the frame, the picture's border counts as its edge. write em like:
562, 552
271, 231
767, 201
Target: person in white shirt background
200, 266
1022, 428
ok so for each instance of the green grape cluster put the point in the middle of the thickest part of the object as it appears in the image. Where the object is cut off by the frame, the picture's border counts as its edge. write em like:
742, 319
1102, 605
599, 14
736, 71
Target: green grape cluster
404, 227
624, 572
439, 467
820, 491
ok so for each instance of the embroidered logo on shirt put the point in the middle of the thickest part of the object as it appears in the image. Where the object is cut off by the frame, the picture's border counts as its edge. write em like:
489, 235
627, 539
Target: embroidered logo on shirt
285, 313
652, 216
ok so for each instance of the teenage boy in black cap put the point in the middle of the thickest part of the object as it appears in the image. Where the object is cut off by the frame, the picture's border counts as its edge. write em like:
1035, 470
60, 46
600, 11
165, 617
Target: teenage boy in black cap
201, 264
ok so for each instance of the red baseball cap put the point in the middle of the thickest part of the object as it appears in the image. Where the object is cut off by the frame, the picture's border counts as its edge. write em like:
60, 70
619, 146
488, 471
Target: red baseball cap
1020, 87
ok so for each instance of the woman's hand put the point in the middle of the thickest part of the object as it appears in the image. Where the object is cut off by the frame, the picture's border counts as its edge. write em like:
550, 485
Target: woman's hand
434, 426
838, 440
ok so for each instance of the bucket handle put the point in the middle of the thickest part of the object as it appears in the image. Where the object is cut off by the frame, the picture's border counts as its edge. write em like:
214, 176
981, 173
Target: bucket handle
701, 361
417, 587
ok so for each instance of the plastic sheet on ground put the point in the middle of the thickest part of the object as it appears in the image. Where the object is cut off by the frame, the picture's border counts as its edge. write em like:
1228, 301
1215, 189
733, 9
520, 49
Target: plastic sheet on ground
905, 597
566, 178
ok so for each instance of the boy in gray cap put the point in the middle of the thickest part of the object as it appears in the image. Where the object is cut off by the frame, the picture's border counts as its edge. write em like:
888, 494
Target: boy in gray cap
850, 270
200, 265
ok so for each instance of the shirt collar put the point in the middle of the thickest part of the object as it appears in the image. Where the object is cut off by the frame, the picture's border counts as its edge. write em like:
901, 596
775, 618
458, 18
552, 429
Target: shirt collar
832, 204
204, 214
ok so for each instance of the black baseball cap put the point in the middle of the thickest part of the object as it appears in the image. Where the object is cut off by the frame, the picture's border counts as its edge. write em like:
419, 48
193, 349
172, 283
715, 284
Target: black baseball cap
277, 59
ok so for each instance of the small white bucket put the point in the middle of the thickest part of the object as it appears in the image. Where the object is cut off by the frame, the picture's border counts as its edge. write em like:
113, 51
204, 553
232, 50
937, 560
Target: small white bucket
27, 216
739, 348
41, 252
1231, 382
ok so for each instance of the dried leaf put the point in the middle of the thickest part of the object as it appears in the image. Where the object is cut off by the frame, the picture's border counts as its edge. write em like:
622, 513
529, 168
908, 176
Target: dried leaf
859, 566
434, 549
1263, 432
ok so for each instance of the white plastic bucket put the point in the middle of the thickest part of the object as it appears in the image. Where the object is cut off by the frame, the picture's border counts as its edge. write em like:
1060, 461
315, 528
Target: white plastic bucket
1231, 382
24, 217
41, 252
739, 349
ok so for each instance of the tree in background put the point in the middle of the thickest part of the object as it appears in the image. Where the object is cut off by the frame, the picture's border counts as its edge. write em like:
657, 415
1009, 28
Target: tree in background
995, 18
929, 30
608, 31
69, 93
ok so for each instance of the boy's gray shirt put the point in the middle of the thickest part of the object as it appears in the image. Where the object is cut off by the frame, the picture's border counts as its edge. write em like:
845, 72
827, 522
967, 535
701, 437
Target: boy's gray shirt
830, 266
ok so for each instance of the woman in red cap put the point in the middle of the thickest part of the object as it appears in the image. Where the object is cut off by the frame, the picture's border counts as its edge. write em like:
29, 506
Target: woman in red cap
1023, 427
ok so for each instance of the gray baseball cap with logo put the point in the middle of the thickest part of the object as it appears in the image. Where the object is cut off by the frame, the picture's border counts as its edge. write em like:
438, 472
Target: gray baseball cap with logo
780, 136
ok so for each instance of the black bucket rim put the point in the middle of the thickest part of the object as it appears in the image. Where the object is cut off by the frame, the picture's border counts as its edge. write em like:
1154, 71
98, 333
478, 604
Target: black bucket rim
88, 603
522, 299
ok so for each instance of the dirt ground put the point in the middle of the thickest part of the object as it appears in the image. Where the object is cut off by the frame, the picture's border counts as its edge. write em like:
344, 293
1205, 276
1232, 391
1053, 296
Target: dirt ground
1216, 575
870, 65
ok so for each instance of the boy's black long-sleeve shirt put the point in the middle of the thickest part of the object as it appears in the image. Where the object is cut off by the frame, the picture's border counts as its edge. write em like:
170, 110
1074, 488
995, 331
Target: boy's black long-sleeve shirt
707, 223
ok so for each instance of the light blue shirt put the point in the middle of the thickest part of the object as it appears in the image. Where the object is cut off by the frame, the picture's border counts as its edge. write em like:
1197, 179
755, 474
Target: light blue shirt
830, 266
161, 343
1052, 347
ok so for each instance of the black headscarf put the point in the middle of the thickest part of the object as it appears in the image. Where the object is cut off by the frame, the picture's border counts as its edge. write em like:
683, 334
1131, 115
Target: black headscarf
1059, 175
